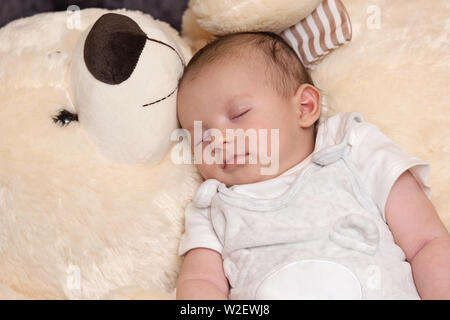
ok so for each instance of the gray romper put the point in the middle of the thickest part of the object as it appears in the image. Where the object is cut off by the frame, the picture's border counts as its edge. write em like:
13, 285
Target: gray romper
324, 238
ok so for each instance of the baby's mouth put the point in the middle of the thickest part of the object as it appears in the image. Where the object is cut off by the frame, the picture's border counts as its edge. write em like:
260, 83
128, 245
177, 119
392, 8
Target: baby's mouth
233, 161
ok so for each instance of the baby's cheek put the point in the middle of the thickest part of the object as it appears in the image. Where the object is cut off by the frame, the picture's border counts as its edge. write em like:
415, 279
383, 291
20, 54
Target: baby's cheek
287, 145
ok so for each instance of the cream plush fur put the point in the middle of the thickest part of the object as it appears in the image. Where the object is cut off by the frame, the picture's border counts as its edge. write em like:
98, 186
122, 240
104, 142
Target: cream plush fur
75, 223
395, 71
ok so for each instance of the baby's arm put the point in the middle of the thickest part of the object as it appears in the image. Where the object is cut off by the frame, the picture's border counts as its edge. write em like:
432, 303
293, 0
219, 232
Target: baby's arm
418, 230
202, 276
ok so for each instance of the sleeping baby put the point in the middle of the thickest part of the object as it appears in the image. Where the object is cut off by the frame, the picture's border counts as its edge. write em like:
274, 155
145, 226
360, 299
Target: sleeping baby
295, 205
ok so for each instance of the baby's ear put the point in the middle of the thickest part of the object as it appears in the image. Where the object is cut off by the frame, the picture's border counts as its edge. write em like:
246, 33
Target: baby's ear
308, 102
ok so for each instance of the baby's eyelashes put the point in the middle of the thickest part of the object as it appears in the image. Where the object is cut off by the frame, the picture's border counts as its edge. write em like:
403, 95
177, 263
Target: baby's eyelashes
208, 135
239, 114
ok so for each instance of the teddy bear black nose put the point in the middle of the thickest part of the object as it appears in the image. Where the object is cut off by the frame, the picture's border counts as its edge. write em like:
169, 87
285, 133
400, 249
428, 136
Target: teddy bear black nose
113, 47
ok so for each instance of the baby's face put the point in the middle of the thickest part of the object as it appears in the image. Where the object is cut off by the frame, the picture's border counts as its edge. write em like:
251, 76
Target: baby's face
235, 95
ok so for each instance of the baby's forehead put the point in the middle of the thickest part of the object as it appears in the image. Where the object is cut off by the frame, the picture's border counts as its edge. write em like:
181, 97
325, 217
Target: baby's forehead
226, 73
228, 60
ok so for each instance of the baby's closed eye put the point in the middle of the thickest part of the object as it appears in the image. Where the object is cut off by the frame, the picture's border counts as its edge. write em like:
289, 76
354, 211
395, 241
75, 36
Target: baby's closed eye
234, 115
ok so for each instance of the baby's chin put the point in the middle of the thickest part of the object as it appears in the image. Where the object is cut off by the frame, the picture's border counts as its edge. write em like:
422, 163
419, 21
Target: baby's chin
239, 174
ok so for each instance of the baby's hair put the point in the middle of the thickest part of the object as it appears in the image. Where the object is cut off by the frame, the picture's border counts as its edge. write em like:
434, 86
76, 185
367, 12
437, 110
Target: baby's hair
285, 72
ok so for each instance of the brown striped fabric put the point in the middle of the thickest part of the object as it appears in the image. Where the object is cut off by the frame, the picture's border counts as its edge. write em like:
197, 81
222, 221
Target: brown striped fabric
325, 29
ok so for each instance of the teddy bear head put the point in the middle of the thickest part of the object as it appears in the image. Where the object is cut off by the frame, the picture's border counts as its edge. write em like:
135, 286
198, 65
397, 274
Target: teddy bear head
123, 81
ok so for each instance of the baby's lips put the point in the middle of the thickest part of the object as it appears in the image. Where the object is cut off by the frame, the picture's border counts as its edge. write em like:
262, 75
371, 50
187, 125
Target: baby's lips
234, 160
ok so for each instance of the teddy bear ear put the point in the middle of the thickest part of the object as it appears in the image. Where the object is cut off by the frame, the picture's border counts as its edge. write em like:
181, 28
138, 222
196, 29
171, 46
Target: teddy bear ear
327, 28
113, 47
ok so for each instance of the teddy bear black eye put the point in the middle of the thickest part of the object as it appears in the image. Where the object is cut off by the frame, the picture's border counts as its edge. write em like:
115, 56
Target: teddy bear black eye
64, 118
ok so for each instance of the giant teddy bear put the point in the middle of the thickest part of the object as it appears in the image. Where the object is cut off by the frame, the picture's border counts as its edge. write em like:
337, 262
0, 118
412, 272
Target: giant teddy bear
91, 209
91, 203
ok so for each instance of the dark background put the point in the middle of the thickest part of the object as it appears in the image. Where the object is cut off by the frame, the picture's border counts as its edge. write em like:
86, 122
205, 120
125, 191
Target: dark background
169, 11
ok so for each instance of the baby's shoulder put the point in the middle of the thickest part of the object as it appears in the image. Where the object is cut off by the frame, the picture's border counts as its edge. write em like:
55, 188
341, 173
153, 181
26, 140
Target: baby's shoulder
344, 127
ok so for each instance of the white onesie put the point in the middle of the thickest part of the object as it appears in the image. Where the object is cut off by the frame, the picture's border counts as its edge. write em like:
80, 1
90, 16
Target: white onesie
317, 231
